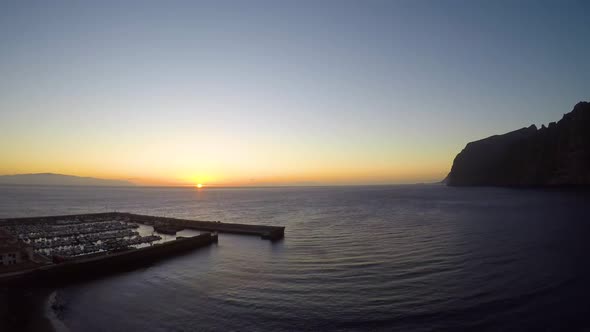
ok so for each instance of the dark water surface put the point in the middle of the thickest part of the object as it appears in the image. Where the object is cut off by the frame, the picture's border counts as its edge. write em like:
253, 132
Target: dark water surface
407, 258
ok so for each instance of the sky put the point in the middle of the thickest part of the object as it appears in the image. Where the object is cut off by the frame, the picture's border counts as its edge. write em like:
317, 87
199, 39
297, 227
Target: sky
278, 92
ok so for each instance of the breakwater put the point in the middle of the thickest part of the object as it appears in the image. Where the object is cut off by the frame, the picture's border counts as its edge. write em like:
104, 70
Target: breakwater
264, 231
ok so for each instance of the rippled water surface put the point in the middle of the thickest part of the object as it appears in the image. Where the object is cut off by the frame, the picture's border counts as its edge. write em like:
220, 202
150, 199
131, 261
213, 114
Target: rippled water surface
408, 258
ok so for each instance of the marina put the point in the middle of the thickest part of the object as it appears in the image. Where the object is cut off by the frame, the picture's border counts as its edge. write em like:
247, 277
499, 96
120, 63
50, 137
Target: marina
63, 247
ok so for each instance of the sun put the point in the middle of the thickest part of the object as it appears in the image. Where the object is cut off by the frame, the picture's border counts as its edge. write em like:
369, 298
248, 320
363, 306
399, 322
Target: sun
199, 185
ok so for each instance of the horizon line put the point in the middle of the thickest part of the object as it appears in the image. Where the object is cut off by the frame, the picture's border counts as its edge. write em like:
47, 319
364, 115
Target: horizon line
222, 186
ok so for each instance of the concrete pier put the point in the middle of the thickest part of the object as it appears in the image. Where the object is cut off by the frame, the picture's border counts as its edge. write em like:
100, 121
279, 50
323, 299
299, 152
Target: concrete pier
265, 232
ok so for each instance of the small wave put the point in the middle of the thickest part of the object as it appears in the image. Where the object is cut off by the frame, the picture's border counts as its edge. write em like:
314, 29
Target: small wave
52, 308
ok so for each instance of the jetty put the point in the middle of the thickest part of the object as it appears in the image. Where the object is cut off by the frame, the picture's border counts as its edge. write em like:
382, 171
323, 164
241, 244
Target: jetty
264, 231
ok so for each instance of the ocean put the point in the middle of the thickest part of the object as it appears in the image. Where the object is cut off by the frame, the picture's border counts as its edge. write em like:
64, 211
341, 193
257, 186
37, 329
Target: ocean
379, 258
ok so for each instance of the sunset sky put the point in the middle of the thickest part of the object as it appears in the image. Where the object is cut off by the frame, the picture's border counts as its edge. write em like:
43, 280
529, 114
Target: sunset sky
278, 92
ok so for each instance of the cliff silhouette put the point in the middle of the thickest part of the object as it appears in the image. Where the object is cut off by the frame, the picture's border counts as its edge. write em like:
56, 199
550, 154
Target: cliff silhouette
557, 155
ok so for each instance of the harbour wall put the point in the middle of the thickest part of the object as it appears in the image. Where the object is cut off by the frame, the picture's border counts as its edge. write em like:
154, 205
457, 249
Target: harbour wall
264, 231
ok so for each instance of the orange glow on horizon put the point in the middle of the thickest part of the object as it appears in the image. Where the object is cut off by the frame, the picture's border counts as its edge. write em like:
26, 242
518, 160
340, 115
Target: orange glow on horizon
189, 170
341, 175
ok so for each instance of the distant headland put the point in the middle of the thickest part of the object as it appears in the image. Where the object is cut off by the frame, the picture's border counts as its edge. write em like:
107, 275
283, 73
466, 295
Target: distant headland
51, 179
557, 155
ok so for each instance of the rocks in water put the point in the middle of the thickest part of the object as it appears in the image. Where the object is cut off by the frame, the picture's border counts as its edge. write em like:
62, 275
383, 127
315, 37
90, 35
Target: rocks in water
558, 154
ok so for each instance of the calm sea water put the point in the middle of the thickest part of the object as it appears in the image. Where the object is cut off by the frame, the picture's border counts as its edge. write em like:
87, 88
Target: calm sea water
407, 258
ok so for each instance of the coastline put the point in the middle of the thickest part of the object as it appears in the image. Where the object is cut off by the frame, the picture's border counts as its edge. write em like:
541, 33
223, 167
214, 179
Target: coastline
25, 310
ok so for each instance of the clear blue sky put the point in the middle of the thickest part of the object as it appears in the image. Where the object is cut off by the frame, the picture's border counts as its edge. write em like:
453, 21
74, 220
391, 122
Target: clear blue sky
251, 92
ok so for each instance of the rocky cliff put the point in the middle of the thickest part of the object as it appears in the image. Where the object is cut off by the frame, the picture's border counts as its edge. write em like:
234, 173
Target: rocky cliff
555, 155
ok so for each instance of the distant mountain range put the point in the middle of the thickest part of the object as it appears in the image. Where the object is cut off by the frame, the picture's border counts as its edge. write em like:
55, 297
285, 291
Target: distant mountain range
550, 156
51, 179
